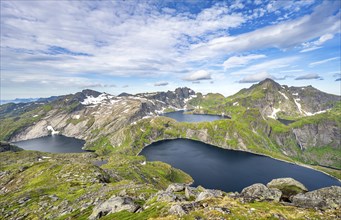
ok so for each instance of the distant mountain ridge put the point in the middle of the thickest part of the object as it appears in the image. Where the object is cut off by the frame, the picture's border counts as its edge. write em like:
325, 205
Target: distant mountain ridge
273, 99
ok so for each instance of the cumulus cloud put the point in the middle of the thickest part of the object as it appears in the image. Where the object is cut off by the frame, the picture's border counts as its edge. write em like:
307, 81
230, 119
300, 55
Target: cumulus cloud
309, 76
237, 61
339, 79
198, 75
161, 83
324, 61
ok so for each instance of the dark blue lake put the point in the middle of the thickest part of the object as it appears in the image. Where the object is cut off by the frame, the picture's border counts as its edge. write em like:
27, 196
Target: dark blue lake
181, 116
53, 144
228, 170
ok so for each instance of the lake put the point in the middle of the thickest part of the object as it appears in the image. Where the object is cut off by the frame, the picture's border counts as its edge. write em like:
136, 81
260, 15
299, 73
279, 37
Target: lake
285, 121
229, 170
182, 117
53, 144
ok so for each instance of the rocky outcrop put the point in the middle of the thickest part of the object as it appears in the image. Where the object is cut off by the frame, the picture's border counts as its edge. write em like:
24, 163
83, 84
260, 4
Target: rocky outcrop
259, 192
323, 133
288, 186
325, 198
207, 194
113, 205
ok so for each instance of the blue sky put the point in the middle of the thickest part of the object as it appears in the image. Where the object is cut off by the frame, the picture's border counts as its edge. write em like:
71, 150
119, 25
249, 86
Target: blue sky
59, 47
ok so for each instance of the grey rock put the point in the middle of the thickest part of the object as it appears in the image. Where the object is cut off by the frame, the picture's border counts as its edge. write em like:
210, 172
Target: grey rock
113, 205
206, 194
325, 198
176, 187
222, 210
53, 198
166, 197
288, 186
190, 192
259, 192
190, 206
177, 210
24, 200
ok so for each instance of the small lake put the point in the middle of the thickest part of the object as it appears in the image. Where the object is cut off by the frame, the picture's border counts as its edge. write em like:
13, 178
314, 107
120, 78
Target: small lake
53, 144
181, 116
228, 170
285, 121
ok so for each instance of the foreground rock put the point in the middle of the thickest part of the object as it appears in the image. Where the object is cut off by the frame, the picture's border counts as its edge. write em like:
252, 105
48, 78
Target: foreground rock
288, 186
325, 198
259, 192
112, 205
208, 194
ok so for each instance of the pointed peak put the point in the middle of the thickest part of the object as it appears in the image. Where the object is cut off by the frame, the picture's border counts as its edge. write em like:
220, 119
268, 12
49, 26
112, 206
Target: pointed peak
269, 82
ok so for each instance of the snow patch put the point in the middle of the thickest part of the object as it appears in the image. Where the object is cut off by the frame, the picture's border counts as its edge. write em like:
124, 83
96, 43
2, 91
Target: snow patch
286, 97
274, 113
76, 117
295, 94
316, 113
34, 116
50, 128
89, 100
235, 104
298, 104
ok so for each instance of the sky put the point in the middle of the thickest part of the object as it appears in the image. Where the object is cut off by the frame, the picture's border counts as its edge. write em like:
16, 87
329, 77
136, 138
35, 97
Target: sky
61, 47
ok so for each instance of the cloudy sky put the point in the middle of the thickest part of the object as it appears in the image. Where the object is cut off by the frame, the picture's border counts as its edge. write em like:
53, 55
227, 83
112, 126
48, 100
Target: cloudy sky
59, 47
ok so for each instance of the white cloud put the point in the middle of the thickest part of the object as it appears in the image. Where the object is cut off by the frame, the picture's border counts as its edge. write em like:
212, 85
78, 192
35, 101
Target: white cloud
198, 75
309, 49
256, 77
284, 35
323, 61
309, 76
163, 83
237, 61
267, 66
310, 46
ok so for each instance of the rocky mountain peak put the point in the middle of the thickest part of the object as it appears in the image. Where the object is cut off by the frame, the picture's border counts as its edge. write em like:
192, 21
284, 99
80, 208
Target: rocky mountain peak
184, 92
269, 84
89, 92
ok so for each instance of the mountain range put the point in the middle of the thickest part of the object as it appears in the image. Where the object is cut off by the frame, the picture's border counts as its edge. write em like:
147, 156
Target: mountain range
295, 124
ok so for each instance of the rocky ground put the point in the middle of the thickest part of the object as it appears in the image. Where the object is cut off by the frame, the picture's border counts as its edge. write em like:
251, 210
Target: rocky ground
35, 185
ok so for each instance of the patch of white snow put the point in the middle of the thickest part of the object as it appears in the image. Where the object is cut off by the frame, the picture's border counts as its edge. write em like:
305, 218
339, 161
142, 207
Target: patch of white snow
286, 97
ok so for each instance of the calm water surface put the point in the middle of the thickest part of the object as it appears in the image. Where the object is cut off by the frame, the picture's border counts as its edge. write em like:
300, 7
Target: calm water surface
182, 117
53, 144
228, 170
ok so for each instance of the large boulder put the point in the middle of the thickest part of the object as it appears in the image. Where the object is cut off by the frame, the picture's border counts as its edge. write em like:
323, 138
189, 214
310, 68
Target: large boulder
325, 198
191, 193
208, 193
175, 187
259, 192
163, 196
112, 205
288, 186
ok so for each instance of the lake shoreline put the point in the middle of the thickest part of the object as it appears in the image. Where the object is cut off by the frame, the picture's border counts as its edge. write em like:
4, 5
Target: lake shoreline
251, 152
